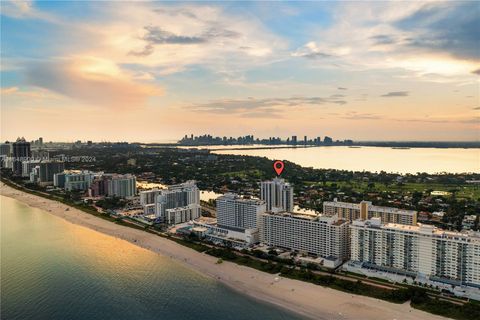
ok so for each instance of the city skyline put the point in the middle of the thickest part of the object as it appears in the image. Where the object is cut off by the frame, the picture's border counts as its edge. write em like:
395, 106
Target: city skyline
152, 71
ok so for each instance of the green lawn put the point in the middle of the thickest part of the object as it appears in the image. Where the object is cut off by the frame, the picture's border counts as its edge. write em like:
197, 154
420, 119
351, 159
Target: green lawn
464, 191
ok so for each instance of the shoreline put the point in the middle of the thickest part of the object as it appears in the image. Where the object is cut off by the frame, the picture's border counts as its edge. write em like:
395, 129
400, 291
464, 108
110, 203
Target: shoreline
305, 299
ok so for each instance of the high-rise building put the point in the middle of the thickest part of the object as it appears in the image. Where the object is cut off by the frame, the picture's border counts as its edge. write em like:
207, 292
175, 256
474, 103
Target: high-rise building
182, 214
318, 235
5, 149
98, 188
4, 154
20, 152
27, 167
294, 140
148, 196
177, 196
114, 185
277, 194
237, 213
48, 169
420, 250
74, 180
42, 172
121, 185
365, 210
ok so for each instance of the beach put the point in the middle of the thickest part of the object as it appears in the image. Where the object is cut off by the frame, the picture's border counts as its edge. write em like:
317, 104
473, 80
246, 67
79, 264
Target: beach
307, 299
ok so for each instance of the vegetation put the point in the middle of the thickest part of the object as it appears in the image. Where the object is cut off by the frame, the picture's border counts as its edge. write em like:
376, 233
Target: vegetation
222, 173
467, 311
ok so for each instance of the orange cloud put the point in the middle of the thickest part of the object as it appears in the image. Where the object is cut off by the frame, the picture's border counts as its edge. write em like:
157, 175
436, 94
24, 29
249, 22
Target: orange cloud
99, 82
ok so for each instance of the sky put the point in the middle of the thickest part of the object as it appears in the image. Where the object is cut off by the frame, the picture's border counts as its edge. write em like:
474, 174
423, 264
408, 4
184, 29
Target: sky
155, 71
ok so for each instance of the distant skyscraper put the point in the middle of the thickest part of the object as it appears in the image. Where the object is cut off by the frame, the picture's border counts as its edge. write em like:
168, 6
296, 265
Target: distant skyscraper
277, 194
21, 152
294, 140
305, 140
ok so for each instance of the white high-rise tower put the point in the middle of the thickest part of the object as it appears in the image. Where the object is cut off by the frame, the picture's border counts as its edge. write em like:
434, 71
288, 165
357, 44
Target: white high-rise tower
277, 194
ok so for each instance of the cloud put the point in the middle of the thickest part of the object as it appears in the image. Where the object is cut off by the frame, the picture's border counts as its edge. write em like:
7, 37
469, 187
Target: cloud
476, 108
24, 9
310, 50
445, 27
157, 36
174, 38
382, 39
28, 93
8, 90
477, 71
395, 94
434, 42
353, 115
268, 115
342, 88
273, 106
95, 81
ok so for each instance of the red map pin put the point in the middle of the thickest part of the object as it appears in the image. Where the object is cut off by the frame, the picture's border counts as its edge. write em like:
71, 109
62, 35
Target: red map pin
278, 167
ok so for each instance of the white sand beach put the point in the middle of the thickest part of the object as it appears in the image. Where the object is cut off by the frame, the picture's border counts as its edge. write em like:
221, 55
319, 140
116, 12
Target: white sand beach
307, 299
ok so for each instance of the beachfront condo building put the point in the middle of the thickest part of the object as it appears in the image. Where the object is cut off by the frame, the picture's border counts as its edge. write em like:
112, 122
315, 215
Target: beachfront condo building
237, 213
177, 196
182, 214
114, 185
322, 236
5, 149
365, 210
420, 251
20, 152
122, 185
277, 194
27, 167
149, 197
44, 171
75, 180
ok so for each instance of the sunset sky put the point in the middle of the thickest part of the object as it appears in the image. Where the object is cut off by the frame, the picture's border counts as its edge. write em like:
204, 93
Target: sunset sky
155, 71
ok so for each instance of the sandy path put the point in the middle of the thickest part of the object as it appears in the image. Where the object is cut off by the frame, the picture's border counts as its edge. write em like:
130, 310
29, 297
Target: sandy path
300, 297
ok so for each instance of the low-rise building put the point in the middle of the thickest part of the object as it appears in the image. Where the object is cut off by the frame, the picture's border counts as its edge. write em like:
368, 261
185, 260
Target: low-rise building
365, 210
226, 237
468, 222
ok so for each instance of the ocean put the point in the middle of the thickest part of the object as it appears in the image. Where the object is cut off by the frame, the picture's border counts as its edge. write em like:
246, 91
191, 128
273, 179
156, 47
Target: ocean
52, 269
